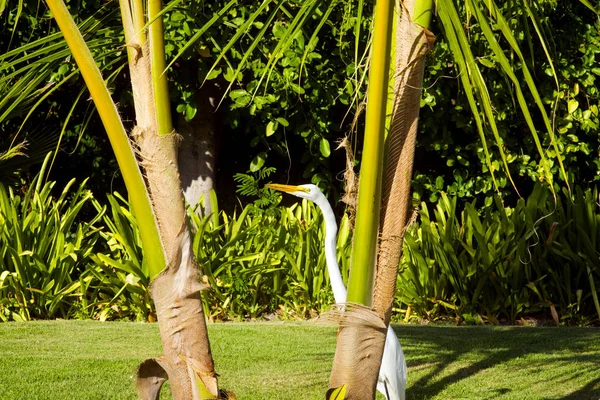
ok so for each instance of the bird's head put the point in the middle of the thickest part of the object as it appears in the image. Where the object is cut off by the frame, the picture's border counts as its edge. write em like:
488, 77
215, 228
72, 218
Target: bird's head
310, 192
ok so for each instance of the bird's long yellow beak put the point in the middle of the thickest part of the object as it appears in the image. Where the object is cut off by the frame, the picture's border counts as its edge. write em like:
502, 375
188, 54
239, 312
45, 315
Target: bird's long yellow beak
287, 188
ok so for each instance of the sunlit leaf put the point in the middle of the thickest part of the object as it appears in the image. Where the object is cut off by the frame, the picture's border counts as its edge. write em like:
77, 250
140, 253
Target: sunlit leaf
324, 147
336, 393
258, 161
270, 129
573, 105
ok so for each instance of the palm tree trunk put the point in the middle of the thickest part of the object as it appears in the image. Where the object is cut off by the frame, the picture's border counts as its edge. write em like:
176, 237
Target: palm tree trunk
362, 333
413, 42
187, 359
158, 205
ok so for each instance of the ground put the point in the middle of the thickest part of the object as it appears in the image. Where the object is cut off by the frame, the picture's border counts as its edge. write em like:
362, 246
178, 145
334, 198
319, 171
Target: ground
292, 360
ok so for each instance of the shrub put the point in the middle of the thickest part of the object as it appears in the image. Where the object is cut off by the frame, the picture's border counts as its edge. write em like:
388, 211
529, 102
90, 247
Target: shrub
505, 263
43, 249
494, 265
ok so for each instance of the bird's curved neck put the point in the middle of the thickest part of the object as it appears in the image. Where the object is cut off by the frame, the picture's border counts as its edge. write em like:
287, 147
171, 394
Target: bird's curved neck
335, 276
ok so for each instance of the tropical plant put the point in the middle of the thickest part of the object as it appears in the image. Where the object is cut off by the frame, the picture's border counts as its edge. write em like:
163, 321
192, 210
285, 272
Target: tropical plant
469, 265
450, 156
45, 247
263, 263
506, 263
117, 285
571, 232
412, 36
413, 41
156, 198
256, 264
249, 184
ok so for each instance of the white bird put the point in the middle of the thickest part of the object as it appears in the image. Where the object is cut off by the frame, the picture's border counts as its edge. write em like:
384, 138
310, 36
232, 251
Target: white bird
391, 381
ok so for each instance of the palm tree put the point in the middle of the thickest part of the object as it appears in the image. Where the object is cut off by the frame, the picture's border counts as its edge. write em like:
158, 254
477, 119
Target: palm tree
156, 199
400, 33
374, 262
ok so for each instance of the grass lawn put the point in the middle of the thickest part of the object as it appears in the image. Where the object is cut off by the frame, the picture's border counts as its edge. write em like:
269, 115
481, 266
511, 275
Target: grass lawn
94, 360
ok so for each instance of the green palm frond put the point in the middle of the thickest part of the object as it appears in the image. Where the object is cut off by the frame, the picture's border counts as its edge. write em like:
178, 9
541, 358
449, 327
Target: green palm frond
470, 77
33, 71
485, 15
14, 151
194, 39
490, 23
263, 17
255, 42
502, 24
25, 154
589, 5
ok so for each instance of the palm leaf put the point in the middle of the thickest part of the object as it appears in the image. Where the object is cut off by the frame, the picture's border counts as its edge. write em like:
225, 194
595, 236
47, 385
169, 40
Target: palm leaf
461, 53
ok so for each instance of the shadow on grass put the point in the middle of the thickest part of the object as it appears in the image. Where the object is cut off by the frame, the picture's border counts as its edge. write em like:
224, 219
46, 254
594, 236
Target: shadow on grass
442, 356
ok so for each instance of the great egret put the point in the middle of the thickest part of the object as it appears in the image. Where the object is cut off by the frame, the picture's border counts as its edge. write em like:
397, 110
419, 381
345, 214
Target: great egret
392, 374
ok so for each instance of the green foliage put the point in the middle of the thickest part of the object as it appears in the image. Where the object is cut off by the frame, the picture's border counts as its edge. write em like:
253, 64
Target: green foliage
250, 184
117, 285
54, 264
474, 265
450, 157
254, 263
265, 263
503, 264
309, 101
289, 91
44, 249
42, 96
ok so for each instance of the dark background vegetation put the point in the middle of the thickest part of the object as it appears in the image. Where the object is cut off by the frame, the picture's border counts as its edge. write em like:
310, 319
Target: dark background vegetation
449, 152
285, 130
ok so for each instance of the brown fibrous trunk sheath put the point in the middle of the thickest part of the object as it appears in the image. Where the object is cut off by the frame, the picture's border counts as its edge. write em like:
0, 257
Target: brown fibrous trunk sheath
176, 290
360, 342
412, 44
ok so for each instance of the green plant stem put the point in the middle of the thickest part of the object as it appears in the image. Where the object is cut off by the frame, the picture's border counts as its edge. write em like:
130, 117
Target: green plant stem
594, 292
137, 12
158, 66
117, 135
423, 13
362, 272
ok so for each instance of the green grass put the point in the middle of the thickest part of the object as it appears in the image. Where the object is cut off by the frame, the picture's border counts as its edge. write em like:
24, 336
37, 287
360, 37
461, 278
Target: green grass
94, 360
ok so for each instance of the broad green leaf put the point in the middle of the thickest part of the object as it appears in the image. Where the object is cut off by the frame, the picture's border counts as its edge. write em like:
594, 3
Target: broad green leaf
213, 74
258, 161
297, 88
271, 128
240, 96
283, 121
279, 30
573, 105
324, 147
190, 112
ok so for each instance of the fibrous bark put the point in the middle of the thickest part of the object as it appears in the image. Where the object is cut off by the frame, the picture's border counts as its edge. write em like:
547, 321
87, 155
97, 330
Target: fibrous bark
151, 375
176, 293
360, 342
412, 44
176, 290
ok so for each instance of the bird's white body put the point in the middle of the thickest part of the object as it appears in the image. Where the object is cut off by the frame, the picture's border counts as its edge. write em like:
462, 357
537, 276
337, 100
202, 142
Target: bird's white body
391, 381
